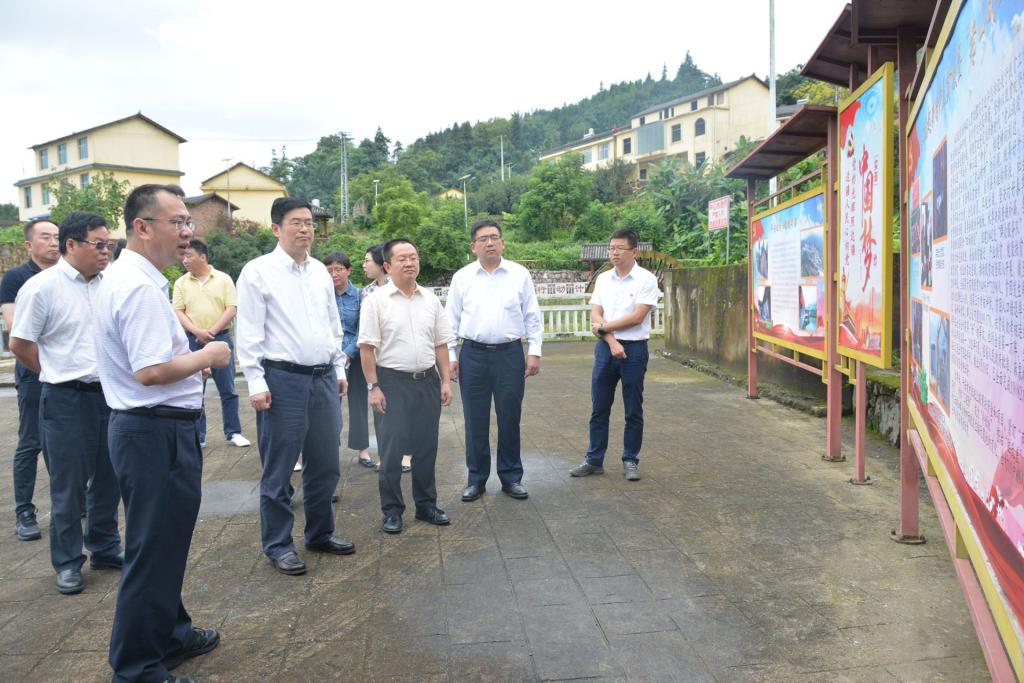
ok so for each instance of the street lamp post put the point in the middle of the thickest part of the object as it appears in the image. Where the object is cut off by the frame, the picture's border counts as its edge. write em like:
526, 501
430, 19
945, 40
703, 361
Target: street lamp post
227, 162
376, 184
465, 198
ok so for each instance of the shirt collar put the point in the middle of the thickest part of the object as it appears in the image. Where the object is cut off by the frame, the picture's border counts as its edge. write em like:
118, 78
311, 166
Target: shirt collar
501, 266
286, 261
70, 272
136, 259
390, 288
351, 290
33, 266
209, 276
615, 273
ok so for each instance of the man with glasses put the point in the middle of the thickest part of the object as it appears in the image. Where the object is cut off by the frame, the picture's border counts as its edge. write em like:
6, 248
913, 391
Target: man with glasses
154, 387
289, 341
403, 343
53, 336
620, 316
204, 300
41, 242
493, 305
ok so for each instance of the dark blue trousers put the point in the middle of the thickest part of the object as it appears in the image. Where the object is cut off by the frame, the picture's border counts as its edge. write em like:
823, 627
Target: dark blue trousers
26, 455
74, 427
159, 467
608, 372
499, 375
225, 380
304, 417
358, 407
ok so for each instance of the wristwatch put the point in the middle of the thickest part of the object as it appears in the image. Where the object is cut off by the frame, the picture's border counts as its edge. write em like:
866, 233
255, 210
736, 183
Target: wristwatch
370, 386
601, 332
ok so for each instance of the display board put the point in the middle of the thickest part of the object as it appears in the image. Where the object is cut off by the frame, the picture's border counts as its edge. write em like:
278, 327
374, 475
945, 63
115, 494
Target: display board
789, 266
965, 194
865, 221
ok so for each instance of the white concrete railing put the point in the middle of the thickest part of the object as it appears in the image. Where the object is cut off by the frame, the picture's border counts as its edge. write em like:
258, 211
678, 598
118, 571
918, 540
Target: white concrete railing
573, 320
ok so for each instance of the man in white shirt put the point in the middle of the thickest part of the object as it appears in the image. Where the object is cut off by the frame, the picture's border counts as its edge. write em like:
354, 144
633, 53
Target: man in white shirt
492, 305
289, 343
620, 316
53, 336
403, 344
154, 387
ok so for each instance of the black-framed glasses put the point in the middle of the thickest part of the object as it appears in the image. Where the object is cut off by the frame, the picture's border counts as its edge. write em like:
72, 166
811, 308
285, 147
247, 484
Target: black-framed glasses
101, 245
618, 250
483, 239
178, 223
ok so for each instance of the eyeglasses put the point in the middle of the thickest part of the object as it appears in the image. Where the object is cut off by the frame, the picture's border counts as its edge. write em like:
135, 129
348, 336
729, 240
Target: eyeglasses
619, 250
101, 245
299, 224
483, 239
178, 223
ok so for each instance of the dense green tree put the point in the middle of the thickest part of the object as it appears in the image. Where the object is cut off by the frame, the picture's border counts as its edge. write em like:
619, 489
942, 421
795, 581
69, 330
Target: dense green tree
229, 252
497, 197
612, 183
558, 193
8, 212
317, 175
595, 223
442, 240
104, 195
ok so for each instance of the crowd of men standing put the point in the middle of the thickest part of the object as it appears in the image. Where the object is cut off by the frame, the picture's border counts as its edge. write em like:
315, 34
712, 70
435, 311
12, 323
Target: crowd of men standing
111, 375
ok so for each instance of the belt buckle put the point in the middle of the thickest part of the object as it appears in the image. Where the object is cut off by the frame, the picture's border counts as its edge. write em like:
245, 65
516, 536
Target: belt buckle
419, 375
320, 370
490, 347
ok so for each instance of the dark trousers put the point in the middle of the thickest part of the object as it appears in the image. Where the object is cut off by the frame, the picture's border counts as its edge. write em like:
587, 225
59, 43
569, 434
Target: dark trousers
26, 455
304, 417
74, 426
608, 372
409, 425
483, 375
358, 430
225, 380
159, 467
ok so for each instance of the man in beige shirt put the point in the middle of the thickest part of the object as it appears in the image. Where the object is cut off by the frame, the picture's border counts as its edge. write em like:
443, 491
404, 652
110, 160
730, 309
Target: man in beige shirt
403, 345
205, 303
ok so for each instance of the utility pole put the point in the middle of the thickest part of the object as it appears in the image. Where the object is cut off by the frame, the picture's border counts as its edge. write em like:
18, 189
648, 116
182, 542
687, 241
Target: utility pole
465, 198
771, 80
227, 163
343, 209
501, 141
376, 184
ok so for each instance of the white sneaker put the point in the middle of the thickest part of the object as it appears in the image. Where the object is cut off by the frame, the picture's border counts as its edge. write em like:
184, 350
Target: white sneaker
239, 440
202, 444
298, 465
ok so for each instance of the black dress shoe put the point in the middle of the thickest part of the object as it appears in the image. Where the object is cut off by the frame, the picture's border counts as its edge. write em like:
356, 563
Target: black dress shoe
516, 490
392, 524
289, 564
366, 462
181, 679
27, 527
334, 546
203, 640
107, 561
433, 516
406, 469
472, 492
69, 581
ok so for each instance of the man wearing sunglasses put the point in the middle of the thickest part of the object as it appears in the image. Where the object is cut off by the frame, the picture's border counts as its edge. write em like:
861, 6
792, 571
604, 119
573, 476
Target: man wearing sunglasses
53, 336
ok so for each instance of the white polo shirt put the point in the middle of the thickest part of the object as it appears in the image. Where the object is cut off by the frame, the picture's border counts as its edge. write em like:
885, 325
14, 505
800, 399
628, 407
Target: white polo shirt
136, 328
619, 296
56, 309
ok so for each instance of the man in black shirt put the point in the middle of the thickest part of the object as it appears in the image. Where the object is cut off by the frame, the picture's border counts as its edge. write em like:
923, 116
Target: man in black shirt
44, 249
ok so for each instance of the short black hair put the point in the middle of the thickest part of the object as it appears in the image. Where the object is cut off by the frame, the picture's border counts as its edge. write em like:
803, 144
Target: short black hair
282, 205
142, 200
77, 226
628, 235
376, 252
391, 244
199, 246
338, 257
120, 245
30, 227
484, 223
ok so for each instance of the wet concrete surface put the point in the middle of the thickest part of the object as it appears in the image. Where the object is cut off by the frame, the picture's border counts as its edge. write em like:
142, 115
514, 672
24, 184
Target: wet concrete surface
740, 556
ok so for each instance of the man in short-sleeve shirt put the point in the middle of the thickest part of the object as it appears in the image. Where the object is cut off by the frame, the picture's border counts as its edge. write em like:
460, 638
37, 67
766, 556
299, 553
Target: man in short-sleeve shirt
620, 316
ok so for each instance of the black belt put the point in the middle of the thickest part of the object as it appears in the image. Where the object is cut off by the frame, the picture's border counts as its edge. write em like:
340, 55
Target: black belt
315, 370
632, 341
422, 374
491, 347
93, 387
172, 412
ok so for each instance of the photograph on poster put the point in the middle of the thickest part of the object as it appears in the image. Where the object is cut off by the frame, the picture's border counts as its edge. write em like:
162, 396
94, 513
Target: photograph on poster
865, 220
788, 253
965, 160
938, 354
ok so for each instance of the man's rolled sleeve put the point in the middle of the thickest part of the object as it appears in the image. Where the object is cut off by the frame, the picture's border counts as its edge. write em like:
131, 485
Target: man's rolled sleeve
648, 293
33, 306
369, 324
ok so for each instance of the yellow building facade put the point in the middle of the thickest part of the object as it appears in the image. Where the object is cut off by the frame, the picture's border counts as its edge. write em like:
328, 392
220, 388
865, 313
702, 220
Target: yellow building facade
136, 149
252, 191
696, 128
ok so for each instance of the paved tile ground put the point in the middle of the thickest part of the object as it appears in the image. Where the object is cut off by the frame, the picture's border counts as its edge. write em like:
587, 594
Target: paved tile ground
740, 556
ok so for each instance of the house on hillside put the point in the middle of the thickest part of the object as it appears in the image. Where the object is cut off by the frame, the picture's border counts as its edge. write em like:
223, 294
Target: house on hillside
210, 211
450, 193
252, 191
135, 148
695, 128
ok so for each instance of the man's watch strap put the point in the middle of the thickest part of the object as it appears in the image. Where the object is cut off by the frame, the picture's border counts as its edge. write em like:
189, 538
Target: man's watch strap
601, 331
370, 386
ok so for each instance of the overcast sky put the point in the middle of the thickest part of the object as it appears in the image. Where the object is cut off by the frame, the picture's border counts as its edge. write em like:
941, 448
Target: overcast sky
237, 79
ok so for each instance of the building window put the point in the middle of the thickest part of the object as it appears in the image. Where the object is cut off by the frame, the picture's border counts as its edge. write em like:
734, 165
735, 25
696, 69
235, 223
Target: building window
46, 194
83, 148
677, 132
720, 98
627, 146
699, 159
698, 127
84, 179
62, 153
643, 174
643, 120
44, 159
604, 151
28, 197
693, 105
711, 100
588, 156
